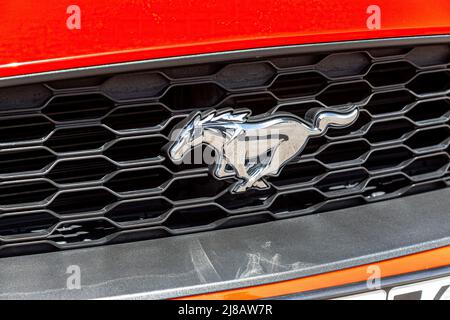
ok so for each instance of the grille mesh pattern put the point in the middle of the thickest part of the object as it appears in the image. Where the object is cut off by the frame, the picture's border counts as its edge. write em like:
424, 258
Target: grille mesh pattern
81, 160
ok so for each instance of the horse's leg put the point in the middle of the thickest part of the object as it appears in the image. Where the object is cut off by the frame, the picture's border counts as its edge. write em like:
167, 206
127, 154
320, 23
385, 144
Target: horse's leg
221, 170
261, 184
241, 184
220, 162
238, 163
245, 185
237, 158
255, 179
272, 167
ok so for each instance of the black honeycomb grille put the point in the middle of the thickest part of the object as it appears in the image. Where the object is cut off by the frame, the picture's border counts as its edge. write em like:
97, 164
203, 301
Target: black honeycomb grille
81, 160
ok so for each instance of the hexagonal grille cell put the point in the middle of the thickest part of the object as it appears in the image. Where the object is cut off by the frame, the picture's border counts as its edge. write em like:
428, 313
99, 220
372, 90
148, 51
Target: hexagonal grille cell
313, 145
342, 181
299, 109
19, 161
244, 75
430, 82
345, 93
20, 193
194, 188
82, 231
344, 64
427, 165
79, 139
23, 97
389, 102
381, 187
430, 55
83, 201
298, 85
77, 83
83, 161
343, 152
257, 103
430, 110
138, 211
297, 201
135, 86
78, 107
389, 130
250, 199
388, 158
189, 218
193, 96
138, 180
20, 129
390, 73
386, 52
297, 61
137, 149
82, 170
192, 71
428, 138
136, 117
29, 224
298, 173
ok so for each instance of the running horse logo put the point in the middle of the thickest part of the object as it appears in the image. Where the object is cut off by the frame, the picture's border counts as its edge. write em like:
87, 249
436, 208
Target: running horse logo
251, 148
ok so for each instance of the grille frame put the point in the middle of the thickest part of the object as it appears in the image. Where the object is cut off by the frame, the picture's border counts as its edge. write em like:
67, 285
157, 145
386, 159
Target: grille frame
180, 205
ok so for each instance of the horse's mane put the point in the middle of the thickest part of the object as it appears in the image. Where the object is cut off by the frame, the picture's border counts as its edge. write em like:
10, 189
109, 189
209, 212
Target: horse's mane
217, 118
226, 116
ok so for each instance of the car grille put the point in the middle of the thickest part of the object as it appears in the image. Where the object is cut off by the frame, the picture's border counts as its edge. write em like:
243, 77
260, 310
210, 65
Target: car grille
81, 161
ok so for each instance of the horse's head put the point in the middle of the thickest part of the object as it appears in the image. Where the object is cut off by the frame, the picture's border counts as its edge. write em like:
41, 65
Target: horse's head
189, 133
186, 137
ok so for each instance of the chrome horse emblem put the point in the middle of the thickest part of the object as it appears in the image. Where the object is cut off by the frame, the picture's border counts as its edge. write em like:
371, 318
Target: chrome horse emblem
251, 148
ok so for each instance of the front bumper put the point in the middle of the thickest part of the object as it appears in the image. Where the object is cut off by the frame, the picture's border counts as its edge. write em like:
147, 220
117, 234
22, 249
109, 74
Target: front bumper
249, 262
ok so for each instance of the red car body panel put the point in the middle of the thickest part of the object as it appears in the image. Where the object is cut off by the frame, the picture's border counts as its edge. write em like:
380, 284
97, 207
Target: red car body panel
35, 38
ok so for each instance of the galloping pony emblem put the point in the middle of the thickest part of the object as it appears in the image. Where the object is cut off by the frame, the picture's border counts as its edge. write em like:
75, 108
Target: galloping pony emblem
251, 148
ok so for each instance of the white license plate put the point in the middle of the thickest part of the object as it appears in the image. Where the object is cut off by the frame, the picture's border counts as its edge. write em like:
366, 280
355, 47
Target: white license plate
435, 289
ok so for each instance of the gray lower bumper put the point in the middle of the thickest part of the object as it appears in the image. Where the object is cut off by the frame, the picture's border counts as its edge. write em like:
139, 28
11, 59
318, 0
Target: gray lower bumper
231, 258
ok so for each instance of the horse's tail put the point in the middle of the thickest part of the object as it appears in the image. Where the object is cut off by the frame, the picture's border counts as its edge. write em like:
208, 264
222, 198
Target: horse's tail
323, 119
